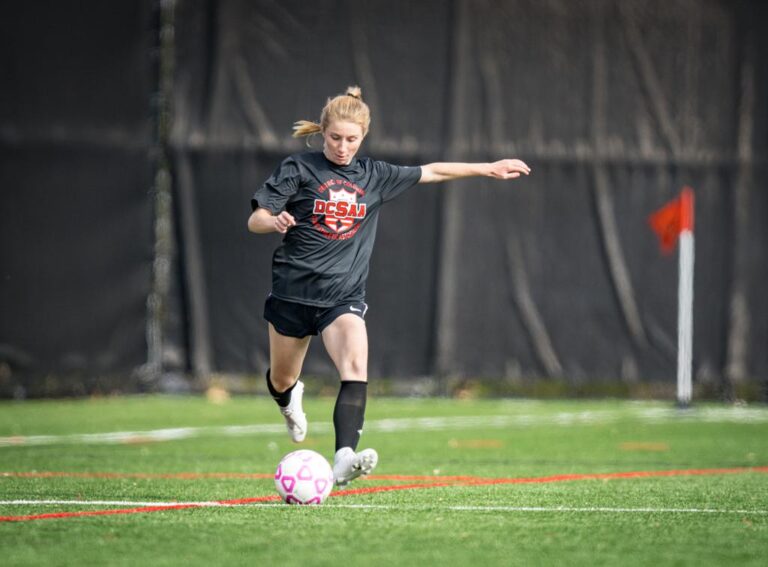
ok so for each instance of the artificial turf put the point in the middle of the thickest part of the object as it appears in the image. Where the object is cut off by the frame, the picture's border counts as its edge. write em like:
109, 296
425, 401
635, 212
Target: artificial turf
703, 515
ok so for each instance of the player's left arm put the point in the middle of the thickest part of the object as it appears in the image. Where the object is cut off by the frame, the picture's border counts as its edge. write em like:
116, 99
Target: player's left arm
446, 171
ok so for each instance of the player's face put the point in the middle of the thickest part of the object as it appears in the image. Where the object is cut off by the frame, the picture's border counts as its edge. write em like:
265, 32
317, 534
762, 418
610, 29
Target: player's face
341, 140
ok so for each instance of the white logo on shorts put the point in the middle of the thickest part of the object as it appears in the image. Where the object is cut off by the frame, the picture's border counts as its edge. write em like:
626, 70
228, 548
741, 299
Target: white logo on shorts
353, 308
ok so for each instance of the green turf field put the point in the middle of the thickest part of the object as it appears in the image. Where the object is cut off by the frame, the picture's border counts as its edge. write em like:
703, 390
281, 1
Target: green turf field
541, 483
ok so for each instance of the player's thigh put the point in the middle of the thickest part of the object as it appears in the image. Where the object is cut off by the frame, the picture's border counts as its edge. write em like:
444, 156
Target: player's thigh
346, 340
286, 357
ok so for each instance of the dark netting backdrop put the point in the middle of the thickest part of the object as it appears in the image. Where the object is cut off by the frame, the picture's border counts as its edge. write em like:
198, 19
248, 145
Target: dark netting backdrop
76, 215
616, 105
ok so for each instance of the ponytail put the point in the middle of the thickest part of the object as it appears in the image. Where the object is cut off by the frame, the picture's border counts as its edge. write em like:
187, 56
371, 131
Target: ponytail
303, 128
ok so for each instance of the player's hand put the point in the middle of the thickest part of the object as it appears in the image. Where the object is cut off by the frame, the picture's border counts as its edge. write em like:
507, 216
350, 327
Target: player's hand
509, 169
284, 221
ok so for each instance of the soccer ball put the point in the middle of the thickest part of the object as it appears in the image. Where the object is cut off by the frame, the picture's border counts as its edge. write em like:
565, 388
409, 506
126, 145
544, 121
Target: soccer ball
304, 477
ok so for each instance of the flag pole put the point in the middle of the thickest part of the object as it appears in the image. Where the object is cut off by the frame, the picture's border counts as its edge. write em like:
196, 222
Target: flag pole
685, 300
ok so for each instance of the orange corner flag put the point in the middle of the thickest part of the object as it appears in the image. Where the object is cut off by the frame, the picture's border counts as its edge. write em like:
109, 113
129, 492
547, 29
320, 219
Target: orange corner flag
672, 219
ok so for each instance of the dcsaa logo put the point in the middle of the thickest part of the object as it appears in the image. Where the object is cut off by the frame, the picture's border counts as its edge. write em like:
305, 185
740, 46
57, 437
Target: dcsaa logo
340, 210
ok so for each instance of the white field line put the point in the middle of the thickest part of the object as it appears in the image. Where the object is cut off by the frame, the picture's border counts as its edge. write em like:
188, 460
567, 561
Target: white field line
564, 419
544, 509
392, 507
126, 503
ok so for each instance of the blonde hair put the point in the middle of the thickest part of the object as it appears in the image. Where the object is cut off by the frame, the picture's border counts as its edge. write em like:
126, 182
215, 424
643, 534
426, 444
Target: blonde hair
348, 107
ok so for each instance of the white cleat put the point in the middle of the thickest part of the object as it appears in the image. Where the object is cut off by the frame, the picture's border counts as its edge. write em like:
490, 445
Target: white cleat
295, 418
348, 465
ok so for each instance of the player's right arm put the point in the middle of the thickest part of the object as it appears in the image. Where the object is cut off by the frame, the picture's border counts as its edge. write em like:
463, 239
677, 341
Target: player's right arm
262, 221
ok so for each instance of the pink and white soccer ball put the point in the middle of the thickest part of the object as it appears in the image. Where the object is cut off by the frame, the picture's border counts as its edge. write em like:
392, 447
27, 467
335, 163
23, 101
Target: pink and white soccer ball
304, 477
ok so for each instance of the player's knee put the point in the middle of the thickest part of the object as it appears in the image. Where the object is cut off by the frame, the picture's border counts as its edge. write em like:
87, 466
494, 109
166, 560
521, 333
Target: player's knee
282, 380
356, 369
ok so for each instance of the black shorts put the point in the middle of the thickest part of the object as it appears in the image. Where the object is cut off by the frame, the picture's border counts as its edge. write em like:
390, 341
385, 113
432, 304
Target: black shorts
299, 320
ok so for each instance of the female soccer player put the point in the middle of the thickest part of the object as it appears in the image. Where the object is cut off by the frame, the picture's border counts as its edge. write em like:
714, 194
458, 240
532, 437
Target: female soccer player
327, 206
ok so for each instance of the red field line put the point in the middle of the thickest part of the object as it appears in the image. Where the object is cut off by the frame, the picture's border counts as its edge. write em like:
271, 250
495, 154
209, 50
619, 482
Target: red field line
422, 478
137, 510
446, 481
617, 476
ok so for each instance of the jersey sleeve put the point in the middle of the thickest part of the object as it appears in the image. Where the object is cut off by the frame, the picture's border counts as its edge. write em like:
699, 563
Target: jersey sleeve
395, 179
281, 186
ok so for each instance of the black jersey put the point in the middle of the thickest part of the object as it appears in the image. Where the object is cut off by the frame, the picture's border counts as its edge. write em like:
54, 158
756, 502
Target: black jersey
324, 259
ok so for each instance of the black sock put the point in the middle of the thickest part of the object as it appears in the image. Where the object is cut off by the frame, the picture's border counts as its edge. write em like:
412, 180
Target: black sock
282, 398
349, 413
